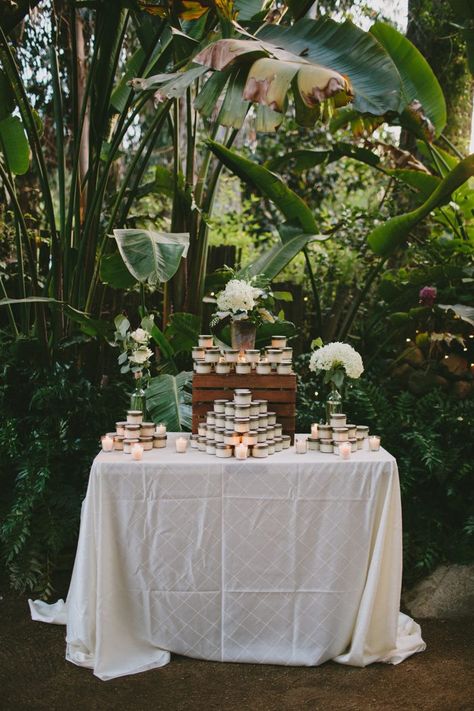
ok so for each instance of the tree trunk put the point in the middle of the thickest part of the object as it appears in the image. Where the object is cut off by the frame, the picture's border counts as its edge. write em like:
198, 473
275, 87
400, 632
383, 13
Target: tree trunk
430, 29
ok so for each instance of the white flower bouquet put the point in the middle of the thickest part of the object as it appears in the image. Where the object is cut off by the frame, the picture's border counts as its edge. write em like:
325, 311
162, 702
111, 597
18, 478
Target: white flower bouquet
336, 360
136, 353
245, 300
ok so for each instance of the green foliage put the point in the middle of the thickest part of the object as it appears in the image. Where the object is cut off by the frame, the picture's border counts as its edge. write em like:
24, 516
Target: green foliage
431, 438
49, 434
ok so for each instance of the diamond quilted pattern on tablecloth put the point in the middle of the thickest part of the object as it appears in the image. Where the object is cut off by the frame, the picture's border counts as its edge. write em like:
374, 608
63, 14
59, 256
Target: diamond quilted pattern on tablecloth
269, 481
176, 540
348, 479
258, 544
187, 623
332, 545
266, 627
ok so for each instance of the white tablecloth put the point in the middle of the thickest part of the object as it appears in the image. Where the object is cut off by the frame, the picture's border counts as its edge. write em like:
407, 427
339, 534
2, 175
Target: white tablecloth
294, 559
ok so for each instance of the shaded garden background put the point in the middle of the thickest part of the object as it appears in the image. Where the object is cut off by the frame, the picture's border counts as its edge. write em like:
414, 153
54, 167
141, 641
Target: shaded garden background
82, 153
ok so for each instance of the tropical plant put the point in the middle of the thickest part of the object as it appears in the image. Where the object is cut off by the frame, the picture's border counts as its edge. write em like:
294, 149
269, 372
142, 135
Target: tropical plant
83, 204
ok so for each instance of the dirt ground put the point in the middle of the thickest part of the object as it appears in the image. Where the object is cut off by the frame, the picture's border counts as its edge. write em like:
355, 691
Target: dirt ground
34, 675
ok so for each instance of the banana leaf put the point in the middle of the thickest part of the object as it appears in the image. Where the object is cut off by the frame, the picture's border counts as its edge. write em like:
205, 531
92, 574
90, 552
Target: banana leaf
151, 256
385, 238
168, 400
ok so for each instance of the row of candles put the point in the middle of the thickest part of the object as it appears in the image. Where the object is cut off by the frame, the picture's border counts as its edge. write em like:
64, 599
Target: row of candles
208, 357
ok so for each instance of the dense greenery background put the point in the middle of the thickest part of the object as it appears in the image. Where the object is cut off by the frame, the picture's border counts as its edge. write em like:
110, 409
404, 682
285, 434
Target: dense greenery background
151, 167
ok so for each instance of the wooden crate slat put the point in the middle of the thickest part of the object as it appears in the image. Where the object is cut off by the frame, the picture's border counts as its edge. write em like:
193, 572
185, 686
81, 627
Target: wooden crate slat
279, 390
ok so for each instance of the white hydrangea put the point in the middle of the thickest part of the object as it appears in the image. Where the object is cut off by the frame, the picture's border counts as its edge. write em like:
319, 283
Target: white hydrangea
238, 295
334, 355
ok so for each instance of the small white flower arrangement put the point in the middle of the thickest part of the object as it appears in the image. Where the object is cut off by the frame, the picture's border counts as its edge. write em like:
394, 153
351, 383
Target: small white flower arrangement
245, 299
136, 353
336, 360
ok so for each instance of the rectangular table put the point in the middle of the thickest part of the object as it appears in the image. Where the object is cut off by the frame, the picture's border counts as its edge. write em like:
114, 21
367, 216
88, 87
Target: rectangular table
294, 559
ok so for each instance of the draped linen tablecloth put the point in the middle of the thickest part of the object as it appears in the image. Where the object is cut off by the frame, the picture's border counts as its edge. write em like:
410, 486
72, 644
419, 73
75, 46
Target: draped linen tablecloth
294, 559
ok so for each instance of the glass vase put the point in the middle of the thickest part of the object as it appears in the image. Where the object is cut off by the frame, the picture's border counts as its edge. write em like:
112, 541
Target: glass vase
138, 397
243, 334
333, 403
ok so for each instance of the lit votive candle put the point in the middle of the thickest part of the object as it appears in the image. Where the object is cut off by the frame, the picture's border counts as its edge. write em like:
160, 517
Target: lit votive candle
314, 430
160, 429
107, 443
374, 443
241, 451
345, 450
181, 445
301, 446
137, 452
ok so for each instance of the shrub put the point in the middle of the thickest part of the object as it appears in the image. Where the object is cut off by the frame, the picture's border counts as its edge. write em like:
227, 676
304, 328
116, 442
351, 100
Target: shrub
49, 431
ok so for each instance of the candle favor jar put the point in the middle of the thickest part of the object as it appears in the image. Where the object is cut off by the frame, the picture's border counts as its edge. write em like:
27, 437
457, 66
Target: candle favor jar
118, 442
219, 434
222, 368
313, 444
219, 406
340, 434
229, 409
206, 341
242, 424
198, 353
352, 431
243, 368
242, 396
272, 418
261, 435
223, 450
201, 444
338, 420
202, 429
211, 417
159, 441
275, 355
128, 444
263, 368
286, 441
120, 428
220, 420
271, 446
147, 429
254, 408
232, 438
212, 355
210, 446
146, 442
231, 355
259, 451
252, 355
326, 446
202, 368
278, 444
131, 431
134, 417
285, 367
193, 441
250, 438
278, 429
325, 432
278, 341
242, 410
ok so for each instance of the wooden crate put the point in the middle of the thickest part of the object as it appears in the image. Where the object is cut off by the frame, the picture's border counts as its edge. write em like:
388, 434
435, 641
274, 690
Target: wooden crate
279, 390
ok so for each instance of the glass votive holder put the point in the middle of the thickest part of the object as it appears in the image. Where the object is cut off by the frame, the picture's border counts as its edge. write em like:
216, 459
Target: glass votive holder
301, 446
374, 443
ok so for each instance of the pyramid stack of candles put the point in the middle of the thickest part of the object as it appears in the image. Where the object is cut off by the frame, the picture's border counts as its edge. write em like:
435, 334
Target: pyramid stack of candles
241, 427
338, 437
209, 358
133, 436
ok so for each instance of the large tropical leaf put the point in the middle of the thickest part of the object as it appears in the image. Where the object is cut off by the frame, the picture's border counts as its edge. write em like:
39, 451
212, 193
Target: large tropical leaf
346, 49
305, 158
385, 238
14, 145
114, 272
182, 331
271, 185
422, 108
168, 400
151, 256
266, 76
271, 262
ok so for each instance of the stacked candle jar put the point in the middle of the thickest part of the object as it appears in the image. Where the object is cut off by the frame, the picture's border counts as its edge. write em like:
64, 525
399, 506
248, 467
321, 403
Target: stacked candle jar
338, 437
134, 433
208, 358
241, 427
